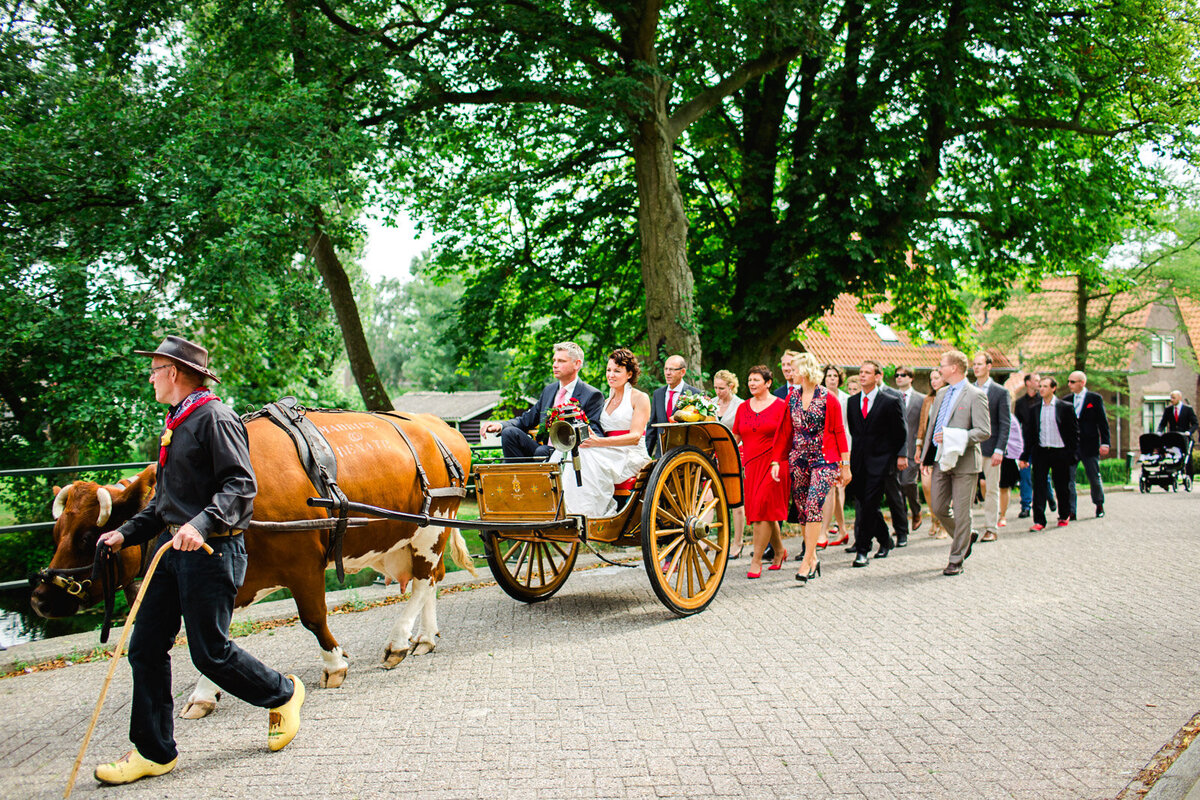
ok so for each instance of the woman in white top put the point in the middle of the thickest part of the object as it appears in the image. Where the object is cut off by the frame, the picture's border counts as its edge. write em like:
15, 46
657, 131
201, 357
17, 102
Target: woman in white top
618, 455
835, 501
725, 383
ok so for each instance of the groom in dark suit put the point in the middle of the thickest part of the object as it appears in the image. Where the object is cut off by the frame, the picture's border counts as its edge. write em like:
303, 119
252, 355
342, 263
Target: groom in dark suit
514, 436
665, 399
879, 436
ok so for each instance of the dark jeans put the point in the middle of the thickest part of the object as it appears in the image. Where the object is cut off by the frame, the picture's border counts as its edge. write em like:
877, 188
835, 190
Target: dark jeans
200, 588
1027, 488
1058, 464
1091, 468
519, 444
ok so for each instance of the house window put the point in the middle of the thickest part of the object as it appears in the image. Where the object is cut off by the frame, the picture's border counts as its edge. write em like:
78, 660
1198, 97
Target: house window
881, 328
1152, 411
1162, 350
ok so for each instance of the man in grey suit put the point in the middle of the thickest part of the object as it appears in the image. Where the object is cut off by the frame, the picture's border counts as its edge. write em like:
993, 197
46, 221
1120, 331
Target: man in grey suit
666, 398
910, 479
992, 449
959, 415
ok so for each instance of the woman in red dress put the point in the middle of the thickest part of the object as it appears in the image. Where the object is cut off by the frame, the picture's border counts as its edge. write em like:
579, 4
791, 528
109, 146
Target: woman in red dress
767, 499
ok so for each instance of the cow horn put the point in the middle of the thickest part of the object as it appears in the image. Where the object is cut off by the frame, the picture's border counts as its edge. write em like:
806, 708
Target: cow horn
60, 501
105, 500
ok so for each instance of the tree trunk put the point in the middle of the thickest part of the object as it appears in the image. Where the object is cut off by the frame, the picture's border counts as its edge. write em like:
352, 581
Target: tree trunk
670, 301
342, 296
1081, 319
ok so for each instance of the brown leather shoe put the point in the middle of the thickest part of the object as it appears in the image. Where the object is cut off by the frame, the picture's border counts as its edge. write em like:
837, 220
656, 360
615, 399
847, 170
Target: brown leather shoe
917, 520
988, 536
953, 569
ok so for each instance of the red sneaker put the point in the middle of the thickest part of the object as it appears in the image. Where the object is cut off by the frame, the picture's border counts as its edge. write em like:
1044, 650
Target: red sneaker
1062, 523
1037, 527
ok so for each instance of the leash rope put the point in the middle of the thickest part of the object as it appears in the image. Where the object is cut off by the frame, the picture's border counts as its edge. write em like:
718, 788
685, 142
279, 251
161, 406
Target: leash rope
116, 656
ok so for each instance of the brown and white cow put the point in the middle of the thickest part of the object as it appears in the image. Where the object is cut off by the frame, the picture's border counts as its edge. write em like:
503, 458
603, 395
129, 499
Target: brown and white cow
375, 466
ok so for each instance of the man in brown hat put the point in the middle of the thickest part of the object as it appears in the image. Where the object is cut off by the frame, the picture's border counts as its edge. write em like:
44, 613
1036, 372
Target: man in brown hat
205, 493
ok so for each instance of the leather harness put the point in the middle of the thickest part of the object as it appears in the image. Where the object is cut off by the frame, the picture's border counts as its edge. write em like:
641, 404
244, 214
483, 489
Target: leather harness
320, 464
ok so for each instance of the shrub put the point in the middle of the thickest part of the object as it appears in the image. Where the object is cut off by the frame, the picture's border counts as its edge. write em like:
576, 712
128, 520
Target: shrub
1112, 470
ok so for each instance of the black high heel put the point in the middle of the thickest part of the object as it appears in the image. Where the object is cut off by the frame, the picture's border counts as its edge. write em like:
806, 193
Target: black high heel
816, 572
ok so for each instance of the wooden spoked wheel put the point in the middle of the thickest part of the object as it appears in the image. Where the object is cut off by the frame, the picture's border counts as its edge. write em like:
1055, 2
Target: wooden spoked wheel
685, 530
526, 570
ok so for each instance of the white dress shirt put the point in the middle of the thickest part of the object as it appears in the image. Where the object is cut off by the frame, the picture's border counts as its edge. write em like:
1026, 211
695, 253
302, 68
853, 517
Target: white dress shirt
1049, 435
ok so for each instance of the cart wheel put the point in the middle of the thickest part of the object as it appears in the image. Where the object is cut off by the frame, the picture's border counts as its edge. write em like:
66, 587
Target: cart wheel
1187, 483
529, 571
1142, 484
685, 530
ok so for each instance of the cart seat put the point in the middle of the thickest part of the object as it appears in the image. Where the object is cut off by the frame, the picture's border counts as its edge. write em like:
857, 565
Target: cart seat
623, 490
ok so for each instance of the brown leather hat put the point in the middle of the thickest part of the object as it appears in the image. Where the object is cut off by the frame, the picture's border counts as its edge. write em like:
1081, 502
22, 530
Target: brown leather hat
187, 353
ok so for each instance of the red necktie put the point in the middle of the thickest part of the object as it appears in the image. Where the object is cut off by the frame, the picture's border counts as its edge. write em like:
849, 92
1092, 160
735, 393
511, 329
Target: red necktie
670, 402
562, 396
866, 405
1177, 413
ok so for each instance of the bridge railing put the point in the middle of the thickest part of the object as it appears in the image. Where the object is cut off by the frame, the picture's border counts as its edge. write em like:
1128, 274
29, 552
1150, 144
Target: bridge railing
78, 469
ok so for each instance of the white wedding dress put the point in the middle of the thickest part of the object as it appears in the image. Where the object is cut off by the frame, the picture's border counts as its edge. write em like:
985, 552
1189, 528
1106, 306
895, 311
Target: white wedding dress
604, 467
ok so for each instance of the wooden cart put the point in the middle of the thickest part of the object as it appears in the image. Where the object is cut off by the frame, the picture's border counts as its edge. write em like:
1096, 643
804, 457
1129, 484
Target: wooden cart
677, 512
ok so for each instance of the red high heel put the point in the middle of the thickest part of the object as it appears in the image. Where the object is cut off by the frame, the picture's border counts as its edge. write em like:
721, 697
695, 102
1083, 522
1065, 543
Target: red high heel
779, 564
754, 574
845, 538
823, 545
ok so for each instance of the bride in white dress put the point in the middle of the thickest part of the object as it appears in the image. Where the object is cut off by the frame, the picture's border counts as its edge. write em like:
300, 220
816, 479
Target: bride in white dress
621, 452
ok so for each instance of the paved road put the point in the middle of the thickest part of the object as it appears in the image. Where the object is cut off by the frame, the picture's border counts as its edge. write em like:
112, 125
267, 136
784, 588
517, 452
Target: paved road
1055, 667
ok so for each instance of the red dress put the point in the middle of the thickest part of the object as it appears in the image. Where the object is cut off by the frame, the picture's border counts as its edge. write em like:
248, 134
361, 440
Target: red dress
766, 499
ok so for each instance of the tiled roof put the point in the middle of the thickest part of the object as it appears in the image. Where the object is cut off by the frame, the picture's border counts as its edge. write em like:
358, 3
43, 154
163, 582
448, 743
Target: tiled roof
1190, 311
450, 406
845, 337
1036, 329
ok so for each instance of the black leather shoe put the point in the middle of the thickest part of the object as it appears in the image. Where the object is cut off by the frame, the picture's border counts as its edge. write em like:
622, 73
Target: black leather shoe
1024, 514
901, 542
861, 560
1099, 512
974, 539
1053, 505
882, 552
852, 548
953, 569
769, 553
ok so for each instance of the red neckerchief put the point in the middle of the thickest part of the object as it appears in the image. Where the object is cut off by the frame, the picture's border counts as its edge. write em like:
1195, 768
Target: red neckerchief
176, 416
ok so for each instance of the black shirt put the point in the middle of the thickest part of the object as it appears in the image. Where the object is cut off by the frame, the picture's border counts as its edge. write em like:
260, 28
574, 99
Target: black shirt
207, 479
1025, 404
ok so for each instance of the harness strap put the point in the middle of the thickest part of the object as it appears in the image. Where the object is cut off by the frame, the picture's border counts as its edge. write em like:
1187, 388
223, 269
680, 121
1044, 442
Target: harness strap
422, 478
104, 571
454, 470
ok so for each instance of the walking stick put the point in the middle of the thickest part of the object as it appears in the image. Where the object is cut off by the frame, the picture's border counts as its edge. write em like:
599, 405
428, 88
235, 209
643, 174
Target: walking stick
112, 664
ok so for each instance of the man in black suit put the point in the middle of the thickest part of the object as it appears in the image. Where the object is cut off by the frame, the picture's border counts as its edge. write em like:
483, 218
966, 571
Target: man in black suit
1178, 417
666, 398
1051, 438
880, 445
1093, 437
992, 448
910, 479
785, 366
514, 436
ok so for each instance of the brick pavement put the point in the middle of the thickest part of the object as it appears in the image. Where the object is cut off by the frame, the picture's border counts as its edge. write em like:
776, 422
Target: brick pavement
1055, 667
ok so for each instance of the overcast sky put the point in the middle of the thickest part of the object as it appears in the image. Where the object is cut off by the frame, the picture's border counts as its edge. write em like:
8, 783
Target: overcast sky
389, 251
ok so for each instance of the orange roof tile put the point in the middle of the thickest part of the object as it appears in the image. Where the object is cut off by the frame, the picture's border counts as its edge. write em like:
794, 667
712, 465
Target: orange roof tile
1190, 311
1037, 329
846, 338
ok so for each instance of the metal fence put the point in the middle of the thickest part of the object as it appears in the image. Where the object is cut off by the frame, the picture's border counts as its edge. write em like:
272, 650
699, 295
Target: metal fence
35, 527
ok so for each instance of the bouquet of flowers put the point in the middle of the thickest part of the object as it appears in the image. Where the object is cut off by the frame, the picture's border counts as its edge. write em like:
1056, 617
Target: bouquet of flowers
694, 408
570, 410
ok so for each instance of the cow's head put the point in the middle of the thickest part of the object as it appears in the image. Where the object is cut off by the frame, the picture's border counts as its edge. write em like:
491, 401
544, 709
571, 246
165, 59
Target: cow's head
83, 511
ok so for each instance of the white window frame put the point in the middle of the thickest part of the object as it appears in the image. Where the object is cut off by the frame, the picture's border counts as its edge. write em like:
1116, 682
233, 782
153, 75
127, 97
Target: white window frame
1162, 350
1153, 407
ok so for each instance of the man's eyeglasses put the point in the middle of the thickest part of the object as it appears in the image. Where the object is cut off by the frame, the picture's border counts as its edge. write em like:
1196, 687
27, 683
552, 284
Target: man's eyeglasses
160, 366
903, 375
674, 369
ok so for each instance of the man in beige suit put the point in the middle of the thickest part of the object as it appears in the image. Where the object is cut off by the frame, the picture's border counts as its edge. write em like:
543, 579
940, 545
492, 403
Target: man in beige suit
960, 420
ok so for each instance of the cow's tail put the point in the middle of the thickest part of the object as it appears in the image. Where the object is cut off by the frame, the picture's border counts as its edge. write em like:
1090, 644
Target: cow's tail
459, 552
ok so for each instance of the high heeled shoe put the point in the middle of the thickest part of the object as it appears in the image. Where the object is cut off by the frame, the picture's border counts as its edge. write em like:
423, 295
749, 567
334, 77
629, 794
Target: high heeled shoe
800, 576
816, 572
838, 543
823, 545
775, 565
753, 575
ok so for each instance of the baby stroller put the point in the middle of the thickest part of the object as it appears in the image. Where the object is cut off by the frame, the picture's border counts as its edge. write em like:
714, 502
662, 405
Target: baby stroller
1166, 461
